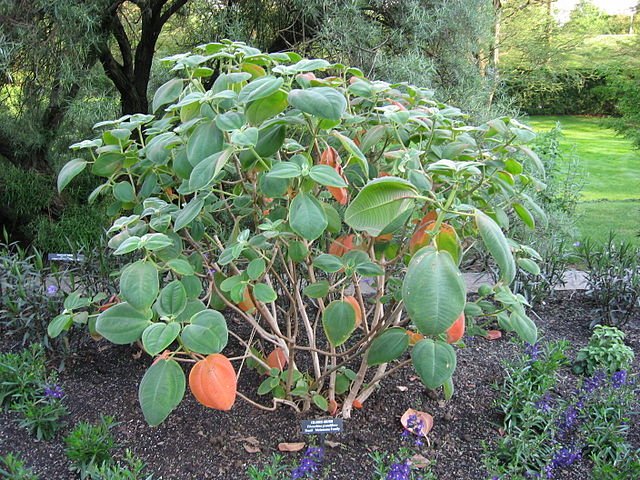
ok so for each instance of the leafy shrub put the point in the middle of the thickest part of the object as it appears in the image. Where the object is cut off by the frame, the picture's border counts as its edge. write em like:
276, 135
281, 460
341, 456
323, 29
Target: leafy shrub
613, 276
13, 468
573, 91
606, 351
89, 446
273, 191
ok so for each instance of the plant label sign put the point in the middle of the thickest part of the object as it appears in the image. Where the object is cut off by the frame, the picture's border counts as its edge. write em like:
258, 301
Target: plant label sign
65, 257
321, 426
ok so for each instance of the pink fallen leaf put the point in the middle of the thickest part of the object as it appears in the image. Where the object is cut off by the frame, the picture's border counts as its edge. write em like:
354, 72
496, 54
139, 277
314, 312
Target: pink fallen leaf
291, 447
493, 334
417, 422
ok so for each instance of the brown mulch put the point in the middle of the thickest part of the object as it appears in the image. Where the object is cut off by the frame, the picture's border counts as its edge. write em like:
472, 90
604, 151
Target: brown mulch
196, 443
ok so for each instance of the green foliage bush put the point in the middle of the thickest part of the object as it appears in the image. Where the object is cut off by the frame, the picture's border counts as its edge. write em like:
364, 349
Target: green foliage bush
605, 352
562, 91
27, 389
613, 277
89, 446
272, 186
12, 467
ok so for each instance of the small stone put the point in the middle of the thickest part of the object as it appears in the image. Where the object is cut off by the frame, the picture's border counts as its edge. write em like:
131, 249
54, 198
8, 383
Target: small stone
467, 438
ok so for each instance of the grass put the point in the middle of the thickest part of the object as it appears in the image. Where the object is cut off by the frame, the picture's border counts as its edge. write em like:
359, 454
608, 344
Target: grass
611, 195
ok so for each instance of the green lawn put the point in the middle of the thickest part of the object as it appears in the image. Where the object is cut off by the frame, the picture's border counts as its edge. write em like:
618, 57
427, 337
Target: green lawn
611, 195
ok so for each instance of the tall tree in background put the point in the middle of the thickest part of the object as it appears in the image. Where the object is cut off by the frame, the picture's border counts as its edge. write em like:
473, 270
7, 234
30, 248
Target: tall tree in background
50, 52
444, 44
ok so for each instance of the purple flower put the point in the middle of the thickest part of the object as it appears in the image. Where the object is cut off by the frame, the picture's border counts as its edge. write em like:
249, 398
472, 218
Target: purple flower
544, 404
570, 420
565, 457
533, 350
399, 471
619, 379
577, 244
53, 391
52, 290
310, 463
593, 383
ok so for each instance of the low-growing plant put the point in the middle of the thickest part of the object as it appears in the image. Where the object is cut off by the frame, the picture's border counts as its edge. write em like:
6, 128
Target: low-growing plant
528, 378
12, 467
277, 469
89, 446
613, 276
30, 294
41, 416
556, 430
130, 468
22, 375
272, 191
606, 351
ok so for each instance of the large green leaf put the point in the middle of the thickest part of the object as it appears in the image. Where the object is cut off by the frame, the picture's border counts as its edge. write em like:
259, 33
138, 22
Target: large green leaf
435, 362
188, 213
172, 299
205, 140
325, 175
379, 203
260, 88
497, 244
123, 324
161, 390
167, 93
524, 327
158, 336
69, 172
260, 110
207, 333
307, 217
339, 322
139, 284
323, 102
388, 346
433, 291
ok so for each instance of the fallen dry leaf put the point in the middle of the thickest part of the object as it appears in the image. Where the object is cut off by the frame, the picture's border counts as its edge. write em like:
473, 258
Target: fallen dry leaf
331, 444
417, 422
250, 440
251, 448
493, 335
402, 388
419, 461
291, 447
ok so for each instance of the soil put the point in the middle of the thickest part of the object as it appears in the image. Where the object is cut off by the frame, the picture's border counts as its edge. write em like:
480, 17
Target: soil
197, 443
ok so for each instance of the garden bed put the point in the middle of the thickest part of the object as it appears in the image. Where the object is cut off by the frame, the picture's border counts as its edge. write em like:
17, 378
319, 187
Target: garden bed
198, 443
